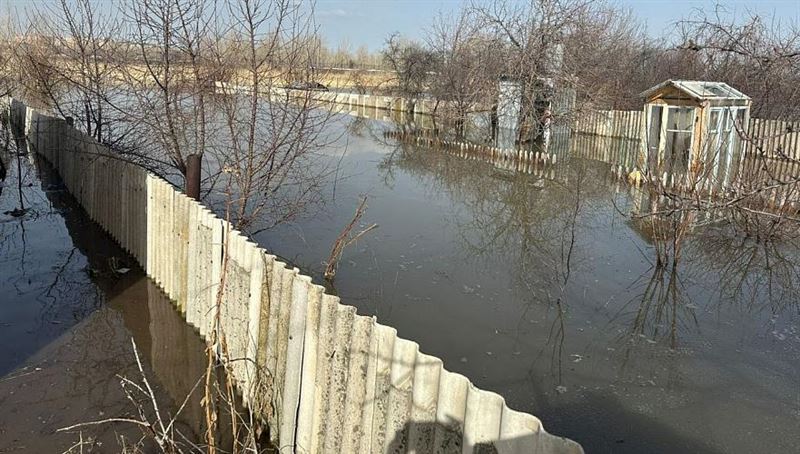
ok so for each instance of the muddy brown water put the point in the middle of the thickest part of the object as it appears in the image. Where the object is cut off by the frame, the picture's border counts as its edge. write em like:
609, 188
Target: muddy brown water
544, 290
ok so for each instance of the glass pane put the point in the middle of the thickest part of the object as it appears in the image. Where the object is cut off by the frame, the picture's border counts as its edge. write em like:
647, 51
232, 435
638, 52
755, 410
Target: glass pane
676, 152
728, 119
680, 118
727, 130
712, 140
716, 90
713, 123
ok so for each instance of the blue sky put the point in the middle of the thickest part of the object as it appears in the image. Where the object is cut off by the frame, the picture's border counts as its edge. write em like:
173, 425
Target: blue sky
371, 21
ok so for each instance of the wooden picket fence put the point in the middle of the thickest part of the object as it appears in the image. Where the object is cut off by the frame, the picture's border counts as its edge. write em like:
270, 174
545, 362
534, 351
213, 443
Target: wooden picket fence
625, 124
776, 139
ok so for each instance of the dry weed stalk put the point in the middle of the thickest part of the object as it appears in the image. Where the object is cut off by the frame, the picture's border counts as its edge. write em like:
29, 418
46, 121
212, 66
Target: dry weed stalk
156, 427
344, 240
245, 429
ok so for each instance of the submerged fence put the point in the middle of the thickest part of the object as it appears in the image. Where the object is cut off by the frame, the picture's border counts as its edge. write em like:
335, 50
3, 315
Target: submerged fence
324, 378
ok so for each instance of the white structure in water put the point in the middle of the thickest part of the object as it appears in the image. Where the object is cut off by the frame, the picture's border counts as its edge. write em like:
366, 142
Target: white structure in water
509, 104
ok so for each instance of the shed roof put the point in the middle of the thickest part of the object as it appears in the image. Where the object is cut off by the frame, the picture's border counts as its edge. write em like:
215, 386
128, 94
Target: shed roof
699, 90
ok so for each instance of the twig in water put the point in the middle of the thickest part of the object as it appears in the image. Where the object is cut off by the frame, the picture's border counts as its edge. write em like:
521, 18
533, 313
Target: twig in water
344, 240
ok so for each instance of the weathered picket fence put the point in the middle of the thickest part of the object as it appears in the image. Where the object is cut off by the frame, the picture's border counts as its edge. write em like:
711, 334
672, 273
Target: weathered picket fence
625, 124
776, 138
324, 378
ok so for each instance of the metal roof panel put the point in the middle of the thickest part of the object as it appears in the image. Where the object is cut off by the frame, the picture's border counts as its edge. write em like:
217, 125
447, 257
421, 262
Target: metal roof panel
699, 89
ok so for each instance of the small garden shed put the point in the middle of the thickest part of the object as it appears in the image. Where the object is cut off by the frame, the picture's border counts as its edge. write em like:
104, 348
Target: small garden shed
693, 125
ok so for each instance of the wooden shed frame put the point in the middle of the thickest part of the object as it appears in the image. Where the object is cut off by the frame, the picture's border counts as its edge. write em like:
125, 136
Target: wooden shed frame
693, 125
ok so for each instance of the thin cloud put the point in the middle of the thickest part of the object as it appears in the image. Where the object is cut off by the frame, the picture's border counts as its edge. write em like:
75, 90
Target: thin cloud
338, 12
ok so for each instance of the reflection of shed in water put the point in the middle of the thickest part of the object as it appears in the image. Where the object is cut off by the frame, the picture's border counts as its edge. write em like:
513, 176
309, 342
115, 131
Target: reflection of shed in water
693, 124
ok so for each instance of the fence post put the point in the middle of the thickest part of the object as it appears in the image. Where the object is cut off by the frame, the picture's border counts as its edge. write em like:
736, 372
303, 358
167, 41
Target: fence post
193, 165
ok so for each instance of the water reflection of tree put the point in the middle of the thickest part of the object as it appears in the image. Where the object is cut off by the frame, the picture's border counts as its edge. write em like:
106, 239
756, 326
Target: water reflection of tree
693, 269
661, 309
754, 275
537, 227
534, 224
62, 292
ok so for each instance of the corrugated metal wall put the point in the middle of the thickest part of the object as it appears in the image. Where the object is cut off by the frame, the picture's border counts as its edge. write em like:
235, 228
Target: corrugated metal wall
325, 378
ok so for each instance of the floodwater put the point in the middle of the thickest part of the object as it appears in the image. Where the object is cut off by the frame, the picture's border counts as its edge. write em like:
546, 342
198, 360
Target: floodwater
542, 288
71, 301
536, 285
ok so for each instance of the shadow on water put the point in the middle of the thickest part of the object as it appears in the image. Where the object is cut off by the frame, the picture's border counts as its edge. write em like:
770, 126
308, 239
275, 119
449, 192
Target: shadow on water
89, 300
602, 424
624, 432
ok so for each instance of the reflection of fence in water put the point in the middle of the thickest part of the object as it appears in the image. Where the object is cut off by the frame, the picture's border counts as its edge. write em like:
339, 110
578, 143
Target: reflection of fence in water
175, 356
419, 120
324, 378
622, 154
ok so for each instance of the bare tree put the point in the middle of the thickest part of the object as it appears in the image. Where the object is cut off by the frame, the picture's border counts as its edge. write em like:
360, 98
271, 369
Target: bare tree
165, 75
412, 64
760, 56
171, 83
7, 69
81, 40
273, 133
466, 69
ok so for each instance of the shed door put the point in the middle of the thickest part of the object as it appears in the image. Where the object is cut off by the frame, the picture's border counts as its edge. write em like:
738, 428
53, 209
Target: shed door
722, 143
678, 143
654, 136
716, 138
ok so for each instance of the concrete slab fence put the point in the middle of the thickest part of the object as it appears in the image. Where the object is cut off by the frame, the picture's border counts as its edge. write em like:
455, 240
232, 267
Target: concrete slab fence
325, 379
